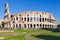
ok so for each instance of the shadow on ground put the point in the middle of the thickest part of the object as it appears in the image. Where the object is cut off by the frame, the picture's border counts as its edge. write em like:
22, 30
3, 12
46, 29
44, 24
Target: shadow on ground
47, 37
53, 30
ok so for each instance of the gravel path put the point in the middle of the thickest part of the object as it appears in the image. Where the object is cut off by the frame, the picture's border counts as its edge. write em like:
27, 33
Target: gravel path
27, 37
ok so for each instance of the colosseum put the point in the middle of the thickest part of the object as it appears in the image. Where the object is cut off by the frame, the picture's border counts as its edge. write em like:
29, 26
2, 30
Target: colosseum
28, 20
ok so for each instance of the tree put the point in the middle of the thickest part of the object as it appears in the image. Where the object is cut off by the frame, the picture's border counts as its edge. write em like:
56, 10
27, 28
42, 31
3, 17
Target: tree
2, 24
58, 25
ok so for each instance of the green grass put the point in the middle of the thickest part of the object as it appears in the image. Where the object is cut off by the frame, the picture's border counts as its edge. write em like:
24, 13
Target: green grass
34, 35
19, 37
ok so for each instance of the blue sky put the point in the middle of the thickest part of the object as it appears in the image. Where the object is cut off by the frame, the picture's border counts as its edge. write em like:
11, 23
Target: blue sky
51, 6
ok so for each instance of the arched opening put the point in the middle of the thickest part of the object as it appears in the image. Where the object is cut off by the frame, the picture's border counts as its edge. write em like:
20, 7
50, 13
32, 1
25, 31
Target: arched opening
19, 26
43, 26
40, 19
34, 25
28, 19
40, 26
16, 25
24, 25
16, 18
30, 25
25, 19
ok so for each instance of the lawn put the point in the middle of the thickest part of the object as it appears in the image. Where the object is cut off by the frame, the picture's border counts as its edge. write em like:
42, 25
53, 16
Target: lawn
30, 35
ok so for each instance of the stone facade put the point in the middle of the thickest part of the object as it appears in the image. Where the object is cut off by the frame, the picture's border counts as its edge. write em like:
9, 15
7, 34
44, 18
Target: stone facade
29, 20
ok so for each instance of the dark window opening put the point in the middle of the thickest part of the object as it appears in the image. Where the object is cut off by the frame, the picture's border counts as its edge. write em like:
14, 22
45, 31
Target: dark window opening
28, 25
43, 25
19, 15
34, 25
11, 16
48, 19
40, 19
28, 19
16, 18
40, 15
37, 25
27, 15
40, 25
43, 19
24, 25
22, 18
19, 25
48, 26
31, 25
25, 19
13, 21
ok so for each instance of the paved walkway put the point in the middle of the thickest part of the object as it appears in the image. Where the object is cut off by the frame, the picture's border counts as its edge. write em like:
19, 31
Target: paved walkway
6, 30
1, 38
